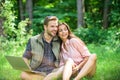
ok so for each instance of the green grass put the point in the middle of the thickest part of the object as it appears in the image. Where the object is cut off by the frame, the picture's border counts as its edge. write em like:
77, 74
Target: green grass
108, 63
108, 66
6, 71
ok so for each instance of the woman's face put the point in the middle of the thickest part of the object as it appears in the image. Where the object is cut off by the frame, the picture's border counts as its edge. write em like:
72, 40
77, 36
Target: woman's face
63, 32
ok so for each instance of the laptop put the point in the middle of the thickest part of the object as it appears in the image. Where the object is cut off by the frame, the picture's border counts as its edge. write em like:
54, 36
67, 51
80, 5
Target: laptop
18, 63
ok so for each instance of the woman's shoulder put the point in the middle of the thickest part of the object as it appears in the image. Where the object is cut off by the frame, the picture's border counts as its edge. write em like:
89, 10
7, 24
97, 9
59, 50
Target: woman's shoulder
73, 39
76, 41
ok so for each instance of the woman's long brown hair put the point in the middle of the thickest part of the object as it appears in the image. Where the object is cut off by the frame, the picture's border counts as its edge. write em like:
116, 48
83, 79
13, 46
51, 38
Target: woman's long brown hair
70, 34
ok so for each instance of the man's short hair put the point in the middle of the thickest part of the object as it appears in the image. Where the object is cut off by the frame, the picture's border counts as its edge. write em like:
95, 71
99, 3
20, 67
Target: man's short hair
50, 18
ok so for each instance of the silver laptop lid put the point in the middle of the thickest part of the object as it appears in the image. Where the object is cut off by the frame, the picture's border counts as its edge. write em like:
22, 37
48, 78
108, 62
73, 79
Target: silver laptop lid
18, 63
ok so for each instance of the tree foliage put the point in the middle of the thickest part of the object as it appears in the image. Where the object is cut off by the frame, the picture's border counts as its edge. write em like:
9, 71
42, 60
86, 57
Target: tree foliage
66, 11
9, 19
11, 29
61, 9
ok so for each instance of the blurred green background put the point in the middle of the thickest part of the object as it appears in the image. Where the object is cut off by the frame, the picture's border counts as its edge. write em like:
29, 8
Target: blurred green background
100, 30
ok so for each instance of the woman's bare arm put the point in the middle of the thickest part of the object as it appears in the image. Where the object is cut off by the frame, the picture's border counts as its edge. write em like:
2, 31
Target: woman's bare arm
80, 65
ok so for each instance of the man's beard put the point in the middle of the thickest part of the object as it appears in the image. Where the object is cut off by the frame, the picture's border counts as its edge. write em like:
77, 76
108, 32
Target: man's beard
50, 34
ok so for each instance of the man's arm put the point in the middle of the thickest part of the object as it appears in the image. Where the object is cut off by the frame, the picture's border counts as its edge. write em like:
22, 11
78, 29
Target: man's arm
27, 62
27, 54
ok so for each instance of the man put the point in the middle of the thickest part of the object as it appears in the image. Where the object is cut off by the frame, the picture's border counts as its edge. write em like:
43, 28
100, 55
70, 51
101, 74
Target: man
42, 51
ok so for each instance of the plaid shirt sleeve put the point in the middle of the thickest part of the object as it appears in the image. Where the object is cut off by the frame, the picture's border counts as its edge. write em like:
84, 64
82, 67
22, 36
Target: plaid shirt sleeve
27, 53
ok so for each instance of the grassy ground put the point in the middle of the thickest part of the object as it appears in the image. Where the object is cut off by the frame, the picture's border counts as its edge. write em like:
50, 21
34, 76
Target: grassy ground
108, 67
108, 63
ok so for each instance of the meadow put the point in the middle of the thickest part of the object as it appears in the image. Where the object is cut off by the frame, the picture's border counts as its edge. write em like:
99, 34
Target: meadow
102, 40
108, 62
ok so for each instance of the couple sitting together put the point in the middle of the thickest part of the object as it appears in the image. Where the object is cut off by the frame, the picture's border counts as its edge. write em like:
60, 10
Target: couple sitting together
56, 53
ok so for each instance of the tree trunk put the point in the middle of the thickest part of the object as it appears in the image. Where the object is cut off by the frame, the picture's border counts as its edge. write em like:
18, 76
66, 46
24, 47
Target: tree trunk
1, 27
21, 11
80, 10
105, 14
29, 6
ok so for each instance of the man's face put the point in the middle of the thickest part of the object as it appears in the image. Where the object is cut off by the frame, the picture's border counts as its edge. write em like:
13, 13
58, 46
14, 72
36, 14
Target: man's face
51, 28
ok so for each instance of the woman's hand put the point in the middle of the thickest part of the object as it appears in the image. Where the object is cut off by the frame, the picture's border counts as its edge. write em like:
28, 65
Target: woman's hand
75, 68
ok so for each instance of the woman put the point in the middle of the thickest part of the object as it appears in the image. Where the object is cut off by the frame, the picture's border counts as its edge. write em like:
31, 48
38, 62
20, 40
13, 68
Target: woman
75, 58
